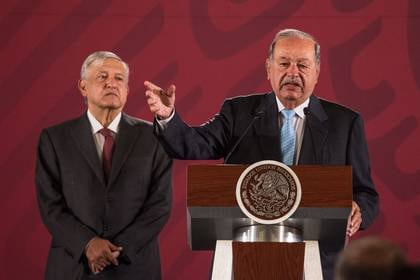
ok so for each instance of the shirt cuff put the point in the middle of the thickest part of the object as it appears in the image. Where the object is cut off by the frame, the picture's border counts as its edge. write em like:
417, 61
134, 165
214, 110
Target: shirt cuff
163, 123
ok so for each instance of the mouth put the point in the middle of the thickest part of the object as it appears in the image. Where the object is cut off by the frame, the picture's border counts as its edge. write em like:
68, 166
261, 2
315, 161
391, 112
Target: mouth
291, 86
294, 84
110, 94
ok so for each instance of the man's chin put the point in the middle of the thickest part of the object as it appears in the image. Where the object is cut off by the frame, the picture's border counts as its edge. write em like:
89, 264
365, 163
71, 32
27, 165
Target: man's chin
291, 95
111, 106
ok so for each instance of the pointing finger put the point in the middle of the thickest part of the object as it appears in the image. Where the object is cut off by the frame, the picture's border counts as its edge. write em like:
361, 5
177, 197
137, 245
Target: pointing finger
151, 86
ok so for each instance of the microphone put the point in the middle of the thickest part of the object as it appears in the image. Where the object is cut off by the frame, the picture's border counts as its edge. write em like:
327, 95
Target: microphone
308, 115
257, 115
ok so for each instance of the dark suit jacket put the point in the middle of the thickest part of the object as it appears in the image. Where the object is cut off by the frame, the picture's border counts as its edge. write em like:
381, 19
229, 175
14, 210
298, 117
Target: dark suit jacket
76, 204
333, 135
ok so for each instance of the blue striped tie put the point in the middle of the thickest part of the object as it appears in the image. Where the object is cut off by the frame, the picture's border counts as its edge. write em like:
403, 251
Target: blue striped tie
287, 137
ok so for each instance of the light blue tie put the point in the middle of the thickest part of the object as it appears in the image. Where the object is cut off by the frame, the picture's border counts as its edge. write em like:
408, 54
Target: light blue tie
287, 137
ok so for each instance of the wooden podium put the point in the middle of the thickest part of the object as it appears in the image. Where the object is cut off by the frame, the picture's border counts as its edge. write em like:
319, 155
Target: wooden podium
213, 216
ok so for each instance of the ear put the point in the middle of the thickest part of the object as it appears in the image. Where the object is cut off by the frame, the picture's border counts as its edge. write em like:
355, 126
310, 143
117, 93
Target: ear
318, 69
268, 67
82, 87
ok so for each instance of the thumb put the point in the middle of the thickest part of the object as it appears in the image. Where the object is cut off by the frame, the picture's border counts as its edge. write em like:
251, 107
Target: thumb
114, 247
171, 91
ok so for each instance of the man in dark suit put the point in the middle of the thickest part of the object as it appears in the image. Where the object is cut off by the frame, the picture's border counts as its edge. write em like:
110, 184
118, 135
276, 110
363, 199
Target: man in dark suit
103, 184
253, 128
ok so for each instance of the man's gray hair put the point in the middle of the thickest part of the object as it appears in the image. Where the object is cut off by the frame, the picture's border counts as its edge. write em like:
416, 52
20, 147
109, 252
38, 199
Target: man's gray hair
294, 33
100, 56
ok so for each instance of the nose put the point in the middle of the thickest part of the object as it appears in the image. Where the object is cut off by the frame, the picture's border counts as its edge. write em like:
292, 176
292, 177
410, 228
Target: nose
293, 69
111, 82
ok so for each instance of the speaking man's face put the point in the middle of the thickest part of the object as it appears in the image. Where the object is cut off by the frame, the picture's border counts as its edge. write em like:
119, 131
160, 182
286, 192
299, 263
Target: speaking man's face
105, 85
292, 70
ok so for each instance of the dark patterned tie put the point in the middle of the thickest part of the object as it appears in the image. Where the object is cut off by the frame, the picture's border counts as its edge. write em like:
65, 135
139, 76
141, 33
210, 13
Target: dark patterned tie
107, 151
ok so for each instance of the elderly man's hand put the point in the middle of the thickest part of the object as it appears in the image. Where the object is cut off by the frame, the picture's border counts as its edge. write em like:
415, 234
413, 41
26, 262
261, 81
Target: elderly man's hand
100, 253
161, 103
355, 219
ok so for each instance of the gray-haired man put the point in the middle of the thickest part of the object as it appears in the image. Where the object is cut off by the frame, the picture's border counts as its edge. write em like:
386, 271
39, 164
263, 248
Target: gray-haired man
103, 183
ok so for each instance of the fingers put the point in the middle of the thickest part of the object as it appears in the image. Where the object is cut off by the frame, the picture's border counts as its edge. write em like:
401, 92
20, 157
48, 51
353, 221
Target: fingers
161, 103
153, 94
100, 254
354, 225
355, 220
100, 264
151, 86
154, 103
152, 89
116, 254
108, 253
171, 91
92, 267
114, 247
95, 268
110, 257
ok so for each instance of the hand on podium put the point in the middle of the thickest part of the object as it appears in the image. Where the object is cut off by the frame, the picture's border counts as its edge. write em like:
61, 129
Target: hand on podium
355, 219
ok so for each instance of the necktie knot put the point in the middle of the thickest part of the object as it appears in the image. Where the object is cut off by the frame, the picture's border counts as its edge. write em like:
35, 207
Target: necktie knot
106, 132
288, 114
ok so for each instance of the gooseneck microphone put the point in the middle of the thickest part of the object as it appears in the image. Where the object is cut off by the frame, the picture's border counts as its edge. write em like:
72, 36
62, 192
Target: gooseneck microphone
308, 115
257, 115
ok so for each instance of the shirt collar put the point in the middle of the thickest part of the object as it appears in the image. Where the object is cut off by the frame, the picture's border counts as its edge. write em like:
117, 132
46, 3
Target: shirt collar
298, 110
96, 126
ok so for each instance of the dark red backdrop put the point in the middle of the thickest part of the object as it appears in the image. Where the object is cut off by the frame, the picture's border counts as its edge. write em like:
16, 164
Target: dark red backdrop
211, 50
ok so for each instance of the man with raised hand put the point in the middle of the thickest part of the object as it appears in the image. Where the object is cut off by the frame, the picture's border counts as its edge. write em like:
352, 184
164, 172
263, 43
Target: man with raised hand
289, 124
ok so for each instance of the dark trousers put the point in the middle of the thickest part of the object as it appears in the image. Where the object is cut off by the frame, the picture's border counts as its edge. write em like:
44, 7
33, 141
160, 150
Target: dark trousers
328, 263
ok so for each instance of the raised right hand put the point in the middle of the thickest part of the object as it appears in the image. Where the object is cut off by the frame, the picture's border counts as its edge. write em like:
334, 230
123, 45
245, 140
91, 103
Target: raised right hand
161, 103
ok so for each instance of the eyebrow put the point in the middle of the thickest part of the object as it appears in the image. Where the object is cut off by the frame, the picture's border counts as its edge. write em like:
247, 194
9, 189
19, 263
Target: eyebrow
299, 59
106, 72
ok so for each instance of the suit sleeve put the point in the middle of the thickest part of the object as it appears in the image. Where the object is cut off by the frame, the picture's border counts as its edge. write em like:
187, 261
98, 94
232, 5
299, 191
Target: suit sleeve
364, 192
208, 141
64, 227
155, 212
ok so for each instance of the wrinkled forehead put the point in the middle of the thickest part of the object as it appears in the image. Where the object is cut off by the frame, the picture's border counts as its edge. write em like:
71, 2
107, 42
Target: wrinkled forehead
108, 64
295, 48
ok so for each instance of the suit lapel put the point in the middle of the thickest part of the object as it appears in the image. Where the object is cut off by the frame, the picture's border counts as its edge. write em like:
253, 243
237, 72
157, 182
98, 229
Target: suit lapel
82, 136
316, 131
126, 137
267, 128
